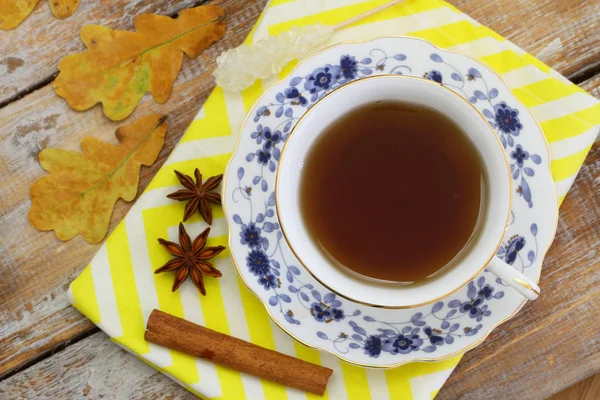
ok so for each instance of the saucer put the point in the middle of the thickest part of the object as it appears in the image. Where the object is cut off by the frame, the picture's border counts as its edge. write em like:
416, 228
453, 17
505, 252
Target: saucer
357, 333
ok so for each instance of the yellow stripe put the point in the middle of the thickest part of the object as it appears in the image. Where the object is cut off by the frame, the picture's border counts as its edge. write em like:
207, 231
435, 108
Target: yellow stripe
209, 166
156, 222
398, 379
571, 125
456, 33
434, 393
504, 61
337, 15
529, 59
259, 327
251, 94
84, 295
213, 310
355, 380
312, 356
544, 91
398, 386
564, 168
508, 60
126, 295
279, 2
215, 122
287, 69
561, 199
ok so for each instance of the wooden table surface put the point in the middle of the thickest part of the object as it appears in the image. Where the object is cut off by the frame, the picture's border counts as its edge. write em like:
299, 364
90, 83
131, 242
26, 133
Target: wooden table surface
47, 348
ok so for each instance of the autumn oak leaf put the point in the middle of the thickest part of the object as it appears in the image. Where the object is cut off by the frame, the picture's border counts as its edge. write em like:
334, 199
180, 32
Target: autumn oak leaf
13, 12
119, 67
80, 192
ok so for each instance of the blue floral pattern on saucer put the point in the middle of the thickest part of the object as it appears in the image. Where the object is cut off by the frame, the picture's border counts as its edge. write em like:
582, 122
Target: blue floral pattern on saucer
355, 332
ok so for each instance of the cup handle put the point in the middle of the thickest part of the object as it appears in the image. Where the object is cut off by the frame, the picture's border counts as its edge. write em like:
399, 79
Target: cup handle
514, 278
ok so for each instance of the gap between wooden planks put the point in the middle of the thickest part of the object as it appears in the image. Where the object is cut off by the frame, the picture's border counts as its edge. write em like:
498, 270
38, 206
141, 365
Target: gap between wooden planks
37, 317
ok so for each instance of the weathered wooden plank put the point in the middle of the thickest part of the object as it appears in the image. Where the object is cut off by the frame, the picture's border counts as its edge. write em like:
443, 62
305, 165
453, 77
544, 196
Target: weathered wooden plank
35, 266
588, 389
30, 52
563, 34
93, 368
592, 85
553, 342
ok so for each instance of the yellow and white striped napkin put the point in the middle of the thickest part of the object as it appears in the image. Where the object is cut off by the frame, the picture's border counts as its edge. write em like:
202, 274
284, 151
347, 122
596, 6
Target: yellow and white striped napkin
118, 290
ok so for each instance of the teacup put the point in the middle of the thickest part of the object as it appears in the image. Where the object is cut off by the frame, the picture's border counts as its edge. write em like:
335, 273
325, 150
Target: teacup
478, 253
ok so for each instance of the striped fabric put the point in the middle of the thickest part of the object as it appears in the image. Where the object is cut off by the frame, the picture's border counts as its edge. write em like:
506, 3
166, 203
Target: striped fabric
118, 290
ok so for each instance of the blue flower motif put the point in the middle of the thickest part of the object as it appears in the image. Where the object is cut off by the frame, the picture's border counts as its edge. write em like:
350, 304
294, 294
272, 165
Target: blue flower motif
258, 262
337, 314
471, 306
514, 245
373, 346
250, 235
349, 66
323, 78
289, 317
271, 139
520, 155
258, 135
434, 75
294, 94
402, 344
262, 111
434, 336
394, 338
486, 292
269, 281
472, 331
263, 156
473, 74
320, 312
508, 119
483, 312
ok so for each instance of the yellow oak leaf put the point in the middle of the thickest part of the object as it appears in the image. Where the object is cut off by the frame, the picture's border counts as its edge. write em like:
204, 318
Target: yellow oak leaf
13, 12
63, 8
119, 67
80, 192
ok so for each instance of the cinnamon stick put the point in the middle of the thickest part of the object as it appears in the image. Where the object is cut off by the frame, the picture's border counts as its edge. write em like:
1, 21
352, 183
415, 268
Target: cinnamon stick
176, 333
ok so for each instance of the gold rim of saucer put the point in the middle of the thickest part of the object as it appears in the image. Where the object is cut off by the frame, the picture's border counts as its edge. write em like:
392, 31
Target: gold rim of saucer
366, 303
400, 363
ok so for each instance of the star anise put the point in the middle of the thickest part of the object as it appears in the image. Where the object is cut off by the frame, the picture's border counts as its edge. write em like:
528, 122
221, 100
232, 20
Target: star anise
198, 195
190, 259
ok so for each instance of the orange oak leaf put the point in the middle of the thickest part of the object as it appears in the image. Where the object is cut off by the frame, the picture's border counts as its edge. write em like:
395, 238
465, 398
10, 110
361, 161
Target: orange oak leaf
80, 192
119, 67
13, 12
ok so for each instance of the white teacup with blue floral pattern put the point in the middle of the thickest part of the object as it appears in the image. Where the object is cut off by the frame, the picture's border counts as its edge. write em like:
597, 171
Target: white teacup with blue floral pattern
478, 253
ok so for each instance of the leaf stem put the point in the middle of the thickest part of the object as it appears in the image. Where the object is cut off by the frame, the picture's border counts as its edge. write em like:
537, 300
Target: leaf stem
109, 176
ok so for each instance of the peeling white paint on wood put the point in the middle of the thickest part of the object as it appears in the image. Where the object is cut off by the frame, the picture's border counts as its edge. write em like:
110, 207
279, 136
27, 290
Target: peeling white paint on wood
92, 368
551, 343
